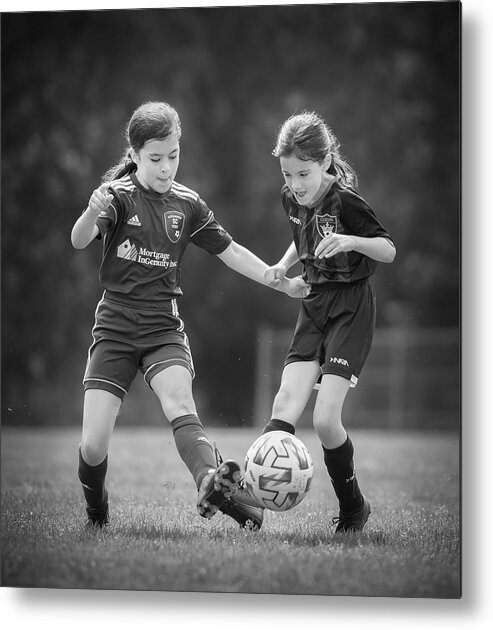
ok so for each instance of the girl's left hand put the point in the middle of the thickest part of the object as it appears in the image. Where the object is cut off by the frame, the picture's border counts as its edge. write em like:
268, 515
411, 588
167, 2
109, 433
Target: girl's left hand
334, 244
298, 288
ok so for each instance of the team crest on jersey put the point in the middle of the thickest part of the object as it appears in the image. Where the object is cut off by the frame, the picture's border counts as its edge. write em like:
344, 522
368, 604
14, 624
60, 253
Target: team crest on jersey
173, 223
326, 224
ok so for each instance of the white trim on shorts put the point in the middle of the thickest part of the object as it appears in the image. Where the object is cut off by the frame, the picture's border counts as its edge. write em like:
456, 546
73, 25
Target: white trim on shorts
93, 339
102, 380
353, 381
176, 361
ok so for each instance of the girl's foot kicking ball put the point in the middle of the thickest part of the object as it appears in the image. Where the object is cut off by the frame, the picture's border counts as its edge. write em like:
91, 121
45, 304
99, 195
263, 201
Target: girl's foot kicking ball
217, 486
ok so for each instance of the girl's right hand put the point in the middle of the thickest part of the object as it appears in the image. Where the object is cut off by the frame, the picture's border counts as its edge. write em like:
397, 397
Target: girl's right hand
100, 199
273, 275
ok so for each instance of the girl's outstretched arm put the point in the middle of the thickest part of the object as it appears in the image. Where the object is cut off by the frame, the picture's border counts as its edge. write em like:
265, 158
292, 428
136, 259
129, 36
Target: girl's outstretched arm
279, 270
243, 261
290, 257
85, 229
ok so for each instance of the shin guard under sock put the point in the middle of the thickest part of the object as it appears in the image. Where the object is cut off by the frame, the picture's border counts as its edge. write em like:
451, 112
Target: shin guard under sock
340, 466
92, 479
278, 425
193, 446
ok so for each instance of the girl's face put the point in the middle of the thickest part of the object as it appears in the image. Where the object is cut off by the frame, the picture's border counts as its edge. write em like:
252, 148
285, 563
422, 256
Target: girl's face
305, 179
157, 163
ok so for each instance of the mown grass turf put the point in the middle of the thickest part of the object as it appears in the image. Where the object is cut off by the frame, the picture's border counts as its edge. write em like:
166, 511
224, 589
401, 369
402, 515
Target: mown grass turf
157, 541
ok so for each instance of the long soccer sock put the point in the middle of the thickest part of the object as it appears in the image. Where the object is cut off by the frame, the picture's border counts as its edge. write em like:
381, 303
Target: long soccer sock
340, 466
92, 479
193, 446
278, 425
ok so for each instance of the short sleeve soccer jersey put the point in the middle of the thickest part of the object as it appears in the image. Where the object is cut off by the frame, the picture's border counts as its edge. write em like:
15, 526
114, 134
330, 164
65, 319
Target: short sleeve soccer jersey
341, 210
145, 235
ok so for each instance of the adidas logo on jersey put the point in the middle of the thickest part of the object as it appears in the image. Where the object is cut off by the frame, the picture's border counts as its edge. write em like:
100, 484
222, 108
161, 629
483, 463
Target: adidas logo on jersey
134, 221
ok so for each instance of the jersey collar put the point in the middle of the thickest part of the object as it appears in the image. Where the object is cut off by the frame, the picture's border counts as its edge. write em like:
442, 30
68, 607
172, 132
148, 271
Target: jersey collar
148, 191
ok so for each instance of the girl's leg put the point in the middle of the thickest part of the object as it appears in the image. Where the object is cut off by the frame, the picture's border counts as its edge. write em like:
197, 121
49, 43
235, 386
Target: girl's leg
217, 485
297, 382
327, 414
173, 387
100, 412
338, 452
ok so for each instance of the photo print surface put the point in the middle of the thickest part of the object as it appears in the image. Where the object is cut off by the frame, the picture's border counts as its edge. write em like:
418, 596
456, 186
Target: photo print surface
227, 231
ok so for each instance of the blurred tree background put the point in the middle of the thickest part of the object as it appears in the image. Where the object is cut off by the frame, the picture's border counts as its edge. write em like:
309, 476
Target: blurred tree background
385, 76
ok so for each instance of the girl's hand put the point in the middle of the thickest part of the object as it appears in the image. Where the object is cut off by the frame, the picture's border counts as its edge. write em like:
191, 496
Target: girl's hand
100, 199
334, 244
298, 288
273, 275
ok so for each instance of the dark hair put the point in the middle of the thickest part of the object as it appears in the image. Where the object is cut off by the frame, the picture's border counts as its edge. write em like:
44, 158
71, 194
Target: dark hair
308, 137
151, 121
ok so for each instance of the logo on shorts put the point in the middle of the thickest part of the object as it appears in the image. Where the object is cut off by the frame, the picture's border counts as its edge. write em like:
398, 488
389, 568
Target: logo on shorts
326, 224
338, 360
127, 250
173, 223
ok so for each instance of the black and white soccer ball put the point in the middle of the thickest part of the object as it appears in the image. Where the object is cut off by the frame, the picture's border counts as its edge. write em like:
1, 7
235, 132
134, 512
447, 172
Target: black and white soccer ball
278, 470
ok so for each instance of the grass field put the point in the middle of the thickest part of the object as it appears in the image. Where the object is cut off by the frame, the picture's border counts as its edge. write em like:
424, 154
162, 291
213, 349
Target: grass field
157, 542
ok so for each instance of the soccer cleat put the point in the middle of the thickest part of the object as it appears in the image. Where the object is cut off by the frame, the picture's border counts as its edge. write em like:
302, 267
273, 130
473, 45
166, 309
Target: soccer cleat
217, 486
97, 518
354, 521
243, 508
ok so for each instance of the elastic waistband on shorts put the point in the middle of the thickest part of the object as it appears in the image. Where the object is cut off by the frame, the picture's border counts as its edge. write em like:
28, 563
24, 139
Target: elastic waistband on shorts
169, 306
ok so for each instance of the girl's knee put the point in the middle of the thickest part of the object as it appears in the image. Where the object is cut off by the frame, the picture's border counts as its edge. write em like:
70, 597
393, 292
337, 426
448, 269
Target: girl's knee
176, 398
173, 387
288, 405
328, 416
93, 453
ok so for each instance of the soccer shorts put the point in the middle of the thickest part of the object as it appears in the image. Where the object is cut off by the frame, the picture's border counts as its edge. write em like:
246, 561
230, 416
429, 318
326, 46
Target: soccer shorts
128, 338
335, 326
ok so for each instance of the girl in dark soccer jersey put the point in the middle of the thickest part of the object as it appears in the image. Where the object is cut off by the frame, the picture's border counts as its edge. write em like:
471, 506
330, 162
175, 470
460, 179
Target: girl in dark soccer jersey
339, 241
146, 220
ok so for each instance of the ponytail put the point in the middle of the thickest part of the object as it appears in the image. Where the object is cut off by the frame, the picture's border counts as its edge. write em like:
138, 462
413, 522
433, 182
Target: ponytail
343, 171
125, 166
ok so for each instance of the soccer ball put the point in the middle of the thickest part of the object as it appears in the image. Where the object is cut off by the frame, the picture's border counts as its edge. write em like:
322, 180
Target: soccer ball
278, 470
